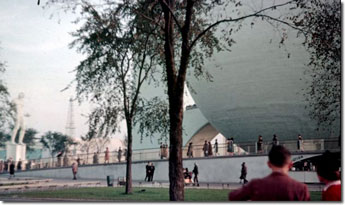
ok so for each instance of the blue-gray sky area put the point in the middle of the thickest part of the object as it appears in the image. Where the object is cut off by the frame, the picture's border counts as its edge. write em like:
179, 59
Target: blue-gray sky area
39, 63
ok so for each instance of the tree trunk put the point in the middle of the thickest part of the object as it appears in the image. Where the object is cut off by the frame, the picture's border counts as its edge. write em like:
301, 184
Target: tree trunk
175, 159
129, 158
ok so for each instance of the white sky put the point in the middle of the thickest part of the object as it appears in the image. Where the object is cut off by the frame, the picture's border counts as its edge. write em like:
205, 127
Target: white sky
39, 63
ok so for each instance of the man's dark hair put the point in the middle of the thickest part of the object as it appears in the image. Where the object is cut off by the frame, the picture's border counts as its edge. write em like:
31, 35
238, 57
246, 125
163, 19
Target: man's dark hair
279, 155
328, 165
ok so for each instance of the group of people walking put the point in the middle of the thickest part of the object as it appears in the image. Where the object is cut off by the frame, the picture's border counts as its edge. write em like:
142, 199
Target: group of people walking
10, 166
275, 141
119, 155
207, 149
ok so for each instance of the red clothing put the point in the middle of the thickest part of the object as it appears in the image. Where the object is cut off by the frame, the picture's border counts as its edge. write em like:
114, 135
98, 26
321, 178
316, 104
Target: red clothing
275, 187
332, 191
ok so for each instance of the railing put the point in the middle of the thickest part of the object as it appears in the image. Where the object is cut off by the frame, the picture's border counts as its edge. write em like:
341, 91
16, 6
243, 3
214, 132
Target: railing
249, 148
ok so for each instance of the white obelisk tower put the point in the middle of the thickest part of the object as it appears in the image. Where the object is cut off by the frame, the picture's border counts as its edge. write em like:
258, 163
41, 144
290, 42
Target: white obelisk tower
70, 126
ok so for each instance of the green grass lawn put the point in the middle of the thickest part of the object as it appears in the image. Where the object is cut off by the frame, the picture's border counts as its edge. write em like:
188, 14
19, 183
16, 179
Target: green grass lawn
150, 194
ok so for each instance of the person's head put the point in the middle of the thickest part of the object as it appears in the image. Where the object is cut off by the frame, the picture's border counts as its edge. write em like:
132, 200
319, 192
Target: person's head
260, 137
299, 136
107, 148
274, 136
327, 167
205, 141
279, 159
243, 164
190, 143
232, 138
216, 140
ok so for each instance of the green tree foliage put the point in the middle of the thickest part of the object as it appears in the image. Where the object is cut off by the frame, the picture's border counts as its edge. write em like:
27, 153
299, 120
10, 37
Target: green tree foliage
6, 109
55, 142
321, 21
117, 63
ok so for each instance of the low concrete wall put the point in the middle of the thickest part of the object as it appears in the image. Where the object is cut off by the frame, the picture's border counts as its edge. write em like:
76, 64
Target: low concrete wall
213, 170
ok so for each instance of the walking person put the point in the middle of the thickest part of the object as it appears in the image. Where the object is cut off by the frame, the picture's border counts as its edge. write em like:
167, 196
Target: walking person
196, 173
327, 170
65, 160
152, 171
278, 186
210, 152
300, 144
6, 166
259, 145
74, 170
1, 166
19, 165
275, 140
190, 150
106, 156
78, 161
147, 171
216, 148
59, 157
205, 149
161, 151
243, 173
231, 146
119, 154
95, 158
12, 169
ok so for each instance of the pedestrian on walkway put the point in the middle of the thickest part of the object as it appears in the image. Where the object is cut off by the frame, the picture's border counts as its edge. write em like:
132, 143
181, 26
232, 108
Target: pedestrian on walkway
216, 148
74, 170
59, 156
106, 155
260, 145
243, 173
119, 154
19, 165
95, 158
147, 171
275, 140
1, 166
190, 150
278, 186
6, 166
327, 169
65, 160
152, 171
231, 146
196, 173
210, 152
78, 161
300, 143
12, 169
205, 149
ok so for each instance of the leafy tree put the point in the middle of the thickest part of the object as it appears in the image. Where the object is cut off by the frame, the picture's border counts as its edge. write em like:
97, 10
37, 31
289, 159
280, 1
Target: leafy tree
6, 109
30, 138
321, 21
55, 142
117, 64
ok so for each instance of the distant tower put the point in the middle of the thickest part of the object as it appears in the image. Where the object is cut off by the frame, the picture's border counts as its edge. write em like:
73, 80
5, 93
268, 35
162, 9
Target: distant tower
70, 120
70, 127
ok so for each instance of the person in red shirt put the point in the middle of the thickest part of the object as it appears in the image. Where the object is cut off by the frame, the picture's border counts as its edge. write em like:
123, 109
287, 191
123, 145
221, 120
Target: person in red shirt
277, 186
327, 169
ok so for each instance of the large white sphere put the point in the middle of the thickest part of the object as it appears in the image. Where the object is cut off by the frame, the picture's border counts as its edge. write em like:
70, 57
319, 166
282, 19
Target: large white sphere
257, 89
